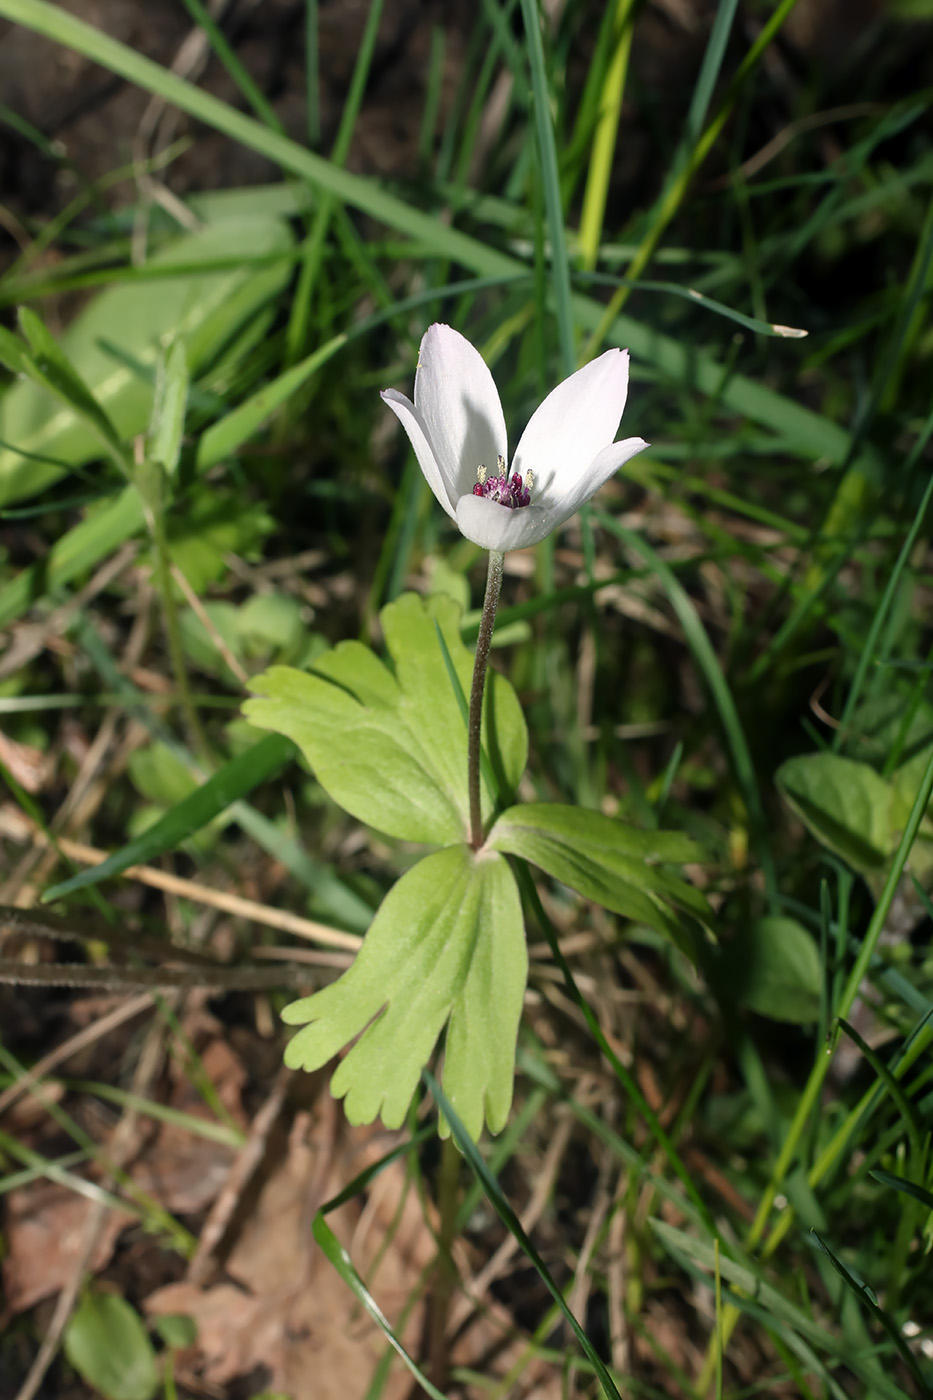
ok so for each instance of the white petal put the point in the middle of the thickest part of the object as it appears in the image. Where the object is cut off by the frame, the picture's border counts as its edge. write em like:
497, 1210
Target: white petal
604, 465
459, 406
576, 421
411, 421
493, 526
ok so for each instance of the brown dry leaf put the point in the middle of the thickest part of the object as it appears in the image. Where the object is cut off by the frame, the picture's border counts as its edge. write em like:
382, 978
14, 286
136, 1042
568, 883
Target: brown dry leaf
29, 766
181, 1169
44, 1229
286, 1310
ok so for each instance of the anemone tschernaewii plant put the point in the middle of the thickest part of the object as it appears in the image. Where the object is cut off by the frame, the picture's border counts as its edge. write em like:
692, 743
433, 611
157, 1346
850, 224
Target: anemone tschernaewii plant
457, 429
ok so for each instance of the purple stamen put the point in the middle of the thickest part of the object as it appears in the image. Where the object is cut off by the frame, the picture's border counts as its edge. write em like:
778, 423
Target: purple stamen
507, 492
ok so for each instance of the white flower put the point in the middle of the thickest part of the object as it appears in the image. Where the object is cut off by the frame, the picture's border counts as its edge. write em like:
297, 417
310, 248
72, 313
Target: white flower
457, 429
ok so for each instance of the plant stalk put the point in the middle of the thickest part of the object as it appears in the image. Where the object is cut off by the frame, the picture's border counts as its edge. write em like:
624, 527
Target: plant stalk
480, 664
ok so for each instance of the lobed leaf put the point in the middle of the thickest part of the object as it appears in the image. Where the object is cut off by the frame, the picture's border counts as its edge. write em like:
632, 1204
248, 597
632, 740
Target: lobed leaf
615, 865
447, 945
389, 745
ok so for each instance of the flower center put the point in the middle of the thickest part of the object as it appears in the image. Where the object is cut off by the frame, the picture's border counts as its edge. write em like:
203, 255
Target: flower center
511, 492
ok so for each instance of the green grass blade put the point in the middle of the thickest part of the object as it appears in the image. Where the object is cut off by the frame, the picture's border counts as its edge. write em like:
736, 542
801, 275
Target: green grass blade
599, 171
228, 57
296, 335
866, 655
699, 643
550, 176
799, 429
909, 1188
230, 783
510, 1220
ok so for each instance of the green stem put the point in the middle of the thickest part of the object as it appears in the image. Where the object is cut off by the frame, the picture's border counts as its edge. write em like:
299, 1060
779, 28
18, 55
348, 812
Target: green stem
481, 662
156, 522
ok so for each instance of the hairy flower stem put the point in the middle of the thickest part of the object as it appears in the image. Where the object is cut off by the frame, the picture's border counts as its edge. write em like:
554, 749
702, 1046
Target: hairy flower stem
487, 623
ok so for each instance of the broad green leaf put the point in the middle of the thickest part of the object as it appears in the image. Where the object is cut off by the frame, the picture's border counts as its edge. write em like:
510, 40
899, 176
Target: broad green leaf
615, 865
389, 745
168, 408
108, 1345
114, 345
97, 536
208, 527
190, 814
203, 644
846, 805
160, 774
13, 353
50, 367
447, 945
772, 967
271, 622
177, 1330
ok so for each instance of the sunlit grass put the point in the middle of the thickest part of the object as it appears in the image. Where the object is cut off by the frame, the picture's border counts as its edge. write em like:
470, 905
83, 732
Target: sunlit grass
741, 1200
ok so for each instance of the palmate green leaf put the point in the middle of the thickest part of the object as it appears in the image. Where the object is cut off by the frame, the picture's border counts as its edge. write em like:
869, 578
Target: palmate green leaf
447, 947
389, 745
846, 805
615, 865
